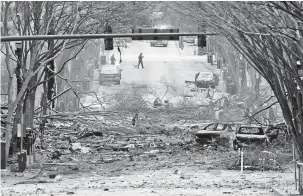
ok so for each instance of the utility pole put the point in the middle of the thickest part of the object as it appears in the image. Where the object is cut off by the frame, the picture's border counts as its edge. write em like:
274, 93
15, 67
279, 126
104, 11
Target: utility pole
17, 126
17, 122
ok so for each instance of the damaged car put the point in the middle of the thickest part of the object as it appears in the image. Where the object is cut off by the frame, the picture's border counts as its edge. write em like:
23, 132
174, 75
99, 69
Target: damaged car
247, 135
213, 131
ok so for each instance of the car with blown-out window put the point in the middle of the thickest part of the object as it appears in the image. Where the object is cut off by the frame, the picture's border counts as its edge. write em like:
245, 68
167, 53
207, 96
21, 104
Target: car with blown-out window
213, 131
247, 135
110, 74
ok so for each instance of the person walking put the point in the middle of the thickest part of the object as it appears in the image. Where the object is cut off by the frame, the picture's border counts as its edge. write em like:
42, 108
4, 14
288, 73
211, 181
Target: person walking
113, 59
140, 61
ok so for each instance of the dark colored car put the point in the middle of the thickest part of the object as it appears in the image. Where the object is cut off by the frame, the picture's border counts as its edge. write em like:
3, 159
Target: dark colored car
213, 131
110, 73
250, 134
206, 79
158, 43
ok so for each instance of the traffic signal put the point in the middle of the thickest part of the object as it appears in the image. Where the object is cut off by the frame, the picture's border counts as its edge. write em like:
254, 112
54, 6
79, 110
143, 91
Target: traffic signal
202, 40
108, 42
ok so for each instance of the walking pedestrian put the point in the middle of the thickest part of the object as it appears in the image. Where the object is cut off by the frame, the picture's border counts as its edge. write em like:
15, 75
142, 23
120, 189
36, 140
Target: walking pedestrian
140, 60
113, 59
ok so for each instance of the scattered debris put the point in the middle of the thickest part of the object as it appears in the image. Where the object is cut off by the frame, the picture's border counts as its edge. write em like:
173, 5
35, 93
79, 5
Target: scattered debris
76, 146
58, 178
85, 149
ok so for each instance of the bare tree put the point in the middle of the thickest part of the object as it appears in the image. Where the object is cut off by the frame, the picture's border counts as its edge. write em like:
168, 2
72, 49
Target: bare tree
269, 36
41, 18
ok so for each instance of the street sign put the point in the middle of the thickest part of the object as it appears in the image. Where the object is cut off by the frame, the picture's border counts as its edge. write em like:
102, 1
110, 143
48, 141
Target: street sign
162, 37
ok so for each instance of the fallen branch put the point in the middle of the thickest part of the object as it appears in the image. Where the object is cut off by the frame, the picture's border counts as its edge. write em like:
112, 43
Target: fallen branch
33, 182
60, 164
83, 114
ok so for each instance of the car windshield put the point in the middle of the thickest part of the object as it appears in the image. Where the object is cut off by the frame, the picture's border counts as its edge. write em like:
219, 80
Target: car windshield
251, 130
205, 75
211, 127
109, 69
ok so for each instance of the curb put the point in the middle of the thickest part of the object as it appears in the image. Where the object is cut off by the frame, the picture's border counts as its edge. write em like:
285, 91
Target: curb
279, 192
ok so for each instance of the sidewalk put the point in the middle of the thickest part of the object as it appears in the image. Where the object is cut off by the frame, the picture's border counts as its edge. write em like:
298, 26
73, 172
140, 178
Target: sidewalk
191, 181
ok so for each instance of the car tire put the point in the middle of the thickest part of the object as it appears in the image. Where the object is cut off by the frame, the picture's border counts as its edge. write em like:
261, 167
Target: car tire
118, 83
165, 45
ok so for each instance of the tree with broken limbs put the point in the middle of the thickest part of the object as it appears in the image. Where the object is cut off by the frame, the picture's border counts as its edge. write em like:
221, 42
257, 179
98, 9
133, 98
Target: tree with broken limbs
269, 35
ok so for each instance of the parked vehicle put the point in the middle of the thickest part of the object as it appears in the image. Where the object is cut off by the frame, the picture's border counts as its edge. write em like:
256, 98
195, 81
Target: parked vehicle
206, 79
154, 43
213, 131
189, 39
250, 134
110, 73
120, 43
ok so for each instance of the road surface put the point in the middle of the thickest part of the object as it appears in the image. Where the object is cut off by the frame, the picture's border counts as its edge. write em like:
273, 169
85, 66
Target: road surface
169, 63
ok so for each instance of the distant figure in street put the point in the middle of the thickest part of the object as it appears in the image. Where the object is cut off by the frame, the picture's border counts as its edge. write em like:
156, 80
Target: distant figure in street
113, 60
140, 61
135, 119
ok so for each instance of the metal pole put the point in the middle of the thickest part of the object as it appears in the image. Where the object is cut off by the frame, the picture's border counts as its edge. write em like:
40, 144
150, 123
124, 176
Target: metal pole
22, 128
96, 36
242, 164
295, 163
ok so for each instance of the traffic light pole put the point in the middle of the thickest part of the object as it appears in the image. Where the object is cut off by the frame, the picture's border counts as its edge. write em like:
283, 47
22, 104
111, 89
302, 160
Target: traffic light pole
97, 36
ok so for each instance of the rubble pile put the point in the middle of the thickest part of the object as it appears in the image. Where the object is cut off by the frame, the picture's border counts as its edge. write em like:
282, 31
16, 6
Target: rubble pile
119, 142
82, 143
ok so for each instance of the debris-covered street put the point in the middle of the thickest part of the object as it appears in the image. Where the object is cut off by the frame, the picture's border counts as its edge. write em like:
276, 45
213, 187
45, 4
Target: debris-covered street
164, 159
151, 98
153, 158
